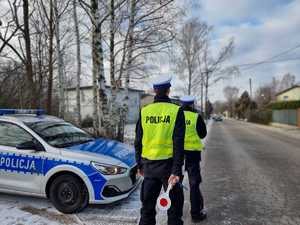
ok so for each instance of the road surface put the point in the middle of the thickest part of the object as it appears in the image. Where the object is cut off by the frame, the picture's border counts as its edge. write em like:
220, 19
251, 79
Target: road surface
251, 176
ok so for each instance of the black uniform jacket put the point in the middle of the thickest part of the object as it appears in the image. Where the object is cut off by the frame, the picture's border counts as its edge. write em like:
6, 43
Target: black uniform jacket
162, 168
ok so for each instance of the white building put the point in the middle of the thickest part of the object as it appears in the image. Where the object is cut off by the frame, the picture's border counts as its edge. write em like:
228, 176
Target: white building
87, 101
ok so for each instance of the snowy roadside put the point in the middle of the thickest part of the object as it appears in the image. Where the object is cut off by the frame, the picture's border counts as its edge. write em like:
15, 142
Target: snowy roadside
289, 131
20, 210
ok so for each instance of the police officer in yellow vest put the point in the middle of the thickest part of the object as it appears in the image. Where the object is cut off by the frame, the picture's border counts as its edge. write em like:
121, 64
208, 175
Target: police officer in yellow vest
159, 145
195, 131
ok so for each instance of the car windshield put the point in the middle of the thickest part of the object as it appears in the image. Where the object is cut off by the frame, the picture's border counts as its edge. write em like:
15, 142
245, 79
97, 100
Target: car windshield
60, 134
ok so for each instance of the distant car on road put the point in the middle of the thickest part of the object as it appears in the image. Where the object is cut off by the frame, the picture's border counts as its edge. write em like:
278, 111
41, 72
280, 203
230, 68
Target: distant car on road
218, 118
42, 155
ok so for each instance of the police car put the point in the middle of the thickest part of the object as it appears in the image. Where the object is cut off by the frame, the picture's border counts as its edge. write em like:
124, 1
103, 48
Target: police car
45, 156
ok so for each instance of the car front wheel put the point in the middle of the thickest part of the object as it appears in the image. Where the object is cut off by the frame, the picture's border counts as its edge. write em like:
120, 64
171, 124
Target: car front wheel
68, 194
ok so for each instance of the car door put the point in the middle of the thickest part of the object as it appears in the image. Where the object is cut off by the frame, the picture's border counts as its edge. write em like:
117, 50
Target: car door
20, 169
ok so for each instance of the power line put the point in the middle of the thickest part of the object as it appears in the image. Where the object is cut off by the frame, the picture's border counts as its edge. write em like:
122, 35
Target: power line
269, 60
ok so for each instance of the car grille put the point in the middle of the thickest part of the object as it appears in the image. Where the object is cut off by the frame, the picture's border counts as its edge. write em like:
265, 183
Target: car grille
132, 174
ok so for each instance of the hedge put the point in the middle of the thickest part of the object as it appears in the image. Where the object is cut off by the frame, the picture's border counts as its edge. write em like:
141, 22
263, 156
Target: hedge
262, 116
285, 105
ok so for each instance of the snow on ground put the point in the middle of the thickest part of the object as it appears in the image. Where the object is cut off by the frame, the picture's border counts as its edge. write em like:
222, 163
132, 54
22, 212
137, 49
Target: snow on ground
20, 210
23, 210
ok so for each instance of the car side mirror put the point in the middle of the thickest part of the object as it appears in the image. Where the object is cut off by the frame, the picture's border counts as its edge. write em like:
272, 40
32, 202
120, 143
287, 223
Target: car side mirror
30, 145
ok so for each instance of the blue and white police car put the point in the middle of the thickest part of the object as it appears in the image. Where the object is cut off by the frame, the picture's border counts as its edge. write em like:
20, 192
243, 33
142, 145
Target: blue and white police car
45, 156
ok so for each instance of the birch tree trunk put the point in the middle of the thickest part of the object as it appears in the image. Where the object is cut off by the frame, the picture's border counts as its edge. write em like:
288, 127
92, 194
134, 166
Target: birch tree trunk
50, 64
78, 59
124, 114
59, 64
114, 107
95, 65
100, 111
104, 123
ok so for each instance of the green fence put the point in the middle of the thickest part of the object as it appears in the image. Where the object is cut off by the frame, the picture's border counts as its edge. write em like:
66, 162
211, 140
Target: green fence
285, 116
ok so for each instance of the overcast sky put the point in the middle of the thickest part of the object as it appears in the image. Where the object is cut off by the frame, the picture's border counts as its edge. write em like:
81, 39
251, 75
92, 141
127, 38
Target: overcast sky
261, 29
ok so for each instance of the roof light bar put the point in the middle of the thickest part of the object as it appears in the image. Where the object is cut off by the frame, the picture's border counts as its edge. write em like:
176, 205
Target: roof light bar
37, 112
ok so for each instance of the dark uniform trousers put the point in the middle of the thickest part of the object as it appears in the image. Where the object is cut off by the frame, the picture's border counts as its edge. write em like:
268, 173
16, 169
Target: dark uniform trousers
192, 166
151, 188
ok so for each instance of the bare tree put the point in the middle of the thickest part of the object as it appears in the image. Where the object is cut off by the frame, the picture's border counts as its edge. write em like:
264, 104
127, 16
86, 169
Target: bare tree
13, 28
100, 101
49, 17
213, 67
263, 95
12, 83
267, 93
130, 30
41, 29
143, 28
191, 41
60, 62
113, 84
287, 81
78, 60
231, 94
130, 47
195, 64
28, 65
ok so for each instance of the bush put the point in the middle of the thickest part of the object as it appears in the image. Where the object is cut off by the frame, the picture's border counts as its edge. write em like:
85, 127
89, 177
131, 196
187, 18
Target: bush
284, 105
262, 116
87, 122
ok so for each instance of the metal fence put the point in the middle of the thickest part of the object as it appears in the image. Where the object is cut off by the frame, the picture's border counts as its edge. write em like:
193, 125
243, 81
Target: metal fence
286, 116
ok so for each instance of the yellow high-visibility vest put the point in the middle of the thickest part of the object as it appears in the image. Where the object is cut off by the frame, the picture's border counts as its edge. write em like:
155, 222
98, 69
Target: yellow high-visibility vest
158, 122
192, 142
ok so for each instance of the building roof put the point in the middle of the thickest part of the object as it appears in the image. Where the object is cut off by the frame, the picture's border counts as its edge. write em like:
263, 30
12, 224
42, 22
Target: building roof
107, 86
288, 89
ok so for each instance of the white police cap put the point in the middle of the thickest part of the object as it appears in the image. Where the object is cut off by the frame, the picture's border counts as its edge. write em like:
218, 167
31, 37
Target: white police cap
187, 99
162, 82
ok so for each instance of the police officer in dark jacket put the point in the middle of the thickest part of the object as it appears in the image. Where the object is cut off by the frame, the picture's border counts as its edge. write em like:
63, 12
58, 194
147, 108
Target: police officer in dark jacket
195, 131
159, 145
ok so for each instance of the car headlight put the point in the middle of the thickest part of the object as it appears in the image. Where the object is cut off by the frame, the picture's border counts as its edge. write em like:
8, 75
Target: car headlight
108, 169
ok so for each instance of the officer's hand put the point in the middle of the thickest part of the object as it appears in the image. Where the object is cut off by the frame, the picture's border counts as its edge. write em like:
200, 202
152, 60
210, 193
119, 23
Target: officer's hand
141, 172
173, 180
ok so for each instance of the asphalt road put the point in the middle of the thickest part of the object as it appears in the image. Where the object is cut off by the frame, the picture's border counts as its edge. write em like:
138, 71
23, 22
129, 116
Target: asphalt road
251, 176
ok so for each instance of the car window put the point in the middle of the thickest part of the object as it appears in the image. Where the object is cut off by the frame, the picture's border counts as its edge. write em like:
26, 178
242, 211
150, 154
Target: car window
13, 135
60, 134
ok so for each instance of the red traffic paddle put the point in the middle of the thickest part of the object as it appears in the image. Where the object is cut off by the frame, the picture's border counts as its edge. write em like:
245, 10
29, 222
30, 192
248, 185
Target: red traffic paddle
164, 201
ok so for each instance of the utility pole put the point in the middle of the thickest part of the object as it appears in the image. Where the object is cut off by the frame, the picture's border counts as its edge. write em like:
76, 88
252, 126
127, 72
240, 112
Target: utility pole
250, 85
